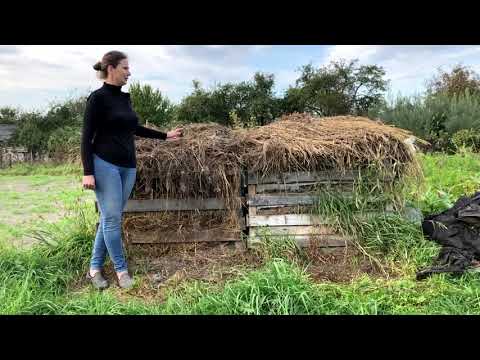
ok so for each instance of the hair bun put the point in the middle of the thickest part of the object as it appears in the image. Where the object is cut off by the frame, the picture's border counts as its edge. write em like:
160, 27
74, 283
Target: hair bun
97, 66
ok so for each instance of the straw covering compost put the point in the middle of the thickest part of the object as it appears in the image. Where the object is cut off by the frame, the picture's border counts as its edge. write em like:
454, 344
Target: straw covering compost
208, 160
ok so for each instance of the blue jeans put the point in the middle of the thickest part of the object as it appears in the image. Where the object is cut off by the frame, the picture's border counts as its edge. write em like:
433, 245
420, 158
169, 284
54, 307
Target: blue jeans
113, 185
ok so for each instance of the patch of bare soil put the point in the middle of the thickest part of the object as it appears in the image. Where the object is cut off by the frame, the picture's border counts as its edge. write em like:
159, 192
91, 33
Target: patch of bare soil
342, 264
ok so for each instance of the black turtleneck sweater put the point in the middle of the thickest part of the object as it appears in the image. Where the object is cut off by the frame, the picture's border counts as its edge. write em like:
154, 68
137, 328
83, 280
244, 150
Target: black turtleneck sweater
109, 127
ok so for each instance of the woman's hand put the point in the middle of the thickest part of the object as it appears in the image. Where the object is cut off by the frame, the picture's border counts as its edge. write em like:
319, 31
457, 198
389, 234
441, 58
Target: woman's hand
88, 182
174, 134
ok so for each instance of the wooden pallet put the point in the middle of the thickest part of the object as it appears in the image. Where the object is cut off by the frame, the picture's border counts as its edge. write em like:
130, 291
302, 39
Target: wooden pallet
287, 192
204, 235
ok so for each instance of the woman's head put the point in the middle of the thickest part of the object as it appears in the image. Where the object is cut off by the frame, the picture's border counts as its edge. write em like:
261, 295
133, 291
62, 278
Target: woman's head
113, 68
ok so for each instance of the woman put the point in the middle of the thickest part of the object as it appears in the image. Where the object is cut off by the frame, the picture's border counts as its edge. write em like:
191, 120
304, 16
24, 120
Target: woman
109, 161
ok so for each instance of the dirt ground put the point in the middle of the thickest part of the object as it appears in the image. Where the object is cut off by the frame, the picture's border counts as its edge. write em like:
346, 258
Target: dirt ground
169, 266
341, 265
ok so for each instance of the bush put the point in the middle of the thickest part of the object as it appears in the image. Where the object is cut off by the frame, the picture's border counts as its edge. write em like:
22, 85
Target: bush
467, 139
42, 134
433, 118
9, 115
30, 132
64, 143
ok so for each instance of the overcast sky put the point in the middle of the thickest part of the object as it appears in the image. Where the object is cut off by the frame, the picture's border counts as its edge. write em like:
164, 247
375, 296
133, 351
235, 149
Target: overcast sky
32, 76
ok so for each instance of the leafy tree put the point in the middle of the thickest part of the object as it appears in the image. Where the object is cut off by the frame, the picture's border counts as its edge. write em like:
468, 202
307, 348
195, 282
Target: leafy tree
151, 105
455, 83
35, 130
245, 104
337, 89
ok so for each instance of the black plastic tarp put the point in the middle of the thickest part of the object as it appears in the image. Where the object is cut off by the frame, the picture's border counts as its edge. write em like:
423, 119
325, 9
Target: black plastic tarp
458, 231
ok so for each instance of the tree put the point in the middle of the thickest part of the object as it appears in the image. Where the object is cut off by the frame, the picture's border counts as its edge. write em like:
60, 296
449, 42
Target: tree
8, 115
36, 131
262, 105
248, 102
455, 83
206, 106
340, 88
151, 105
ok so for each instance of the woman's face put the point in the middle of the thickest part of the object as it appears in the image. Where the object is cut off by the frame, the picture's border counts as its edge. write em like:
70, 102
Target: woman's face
120, 74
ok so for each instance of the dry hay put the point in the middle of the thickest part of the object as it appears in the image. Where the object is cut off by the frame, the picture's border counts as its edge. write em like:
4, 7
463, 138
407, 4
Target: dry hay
301, 142
179, 224
204, 163
208, 160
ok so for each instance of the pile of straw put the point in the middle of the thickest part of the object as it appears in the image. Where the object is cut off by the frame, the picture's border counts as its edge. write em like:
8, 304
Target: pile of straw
203, 163
301, 142
208, 160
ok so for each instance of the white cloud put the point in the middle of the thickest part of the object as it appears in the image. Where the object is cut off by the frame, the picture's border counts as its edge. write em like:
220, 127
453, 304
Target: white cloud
30, 74
408, 66
171, 68
350, 52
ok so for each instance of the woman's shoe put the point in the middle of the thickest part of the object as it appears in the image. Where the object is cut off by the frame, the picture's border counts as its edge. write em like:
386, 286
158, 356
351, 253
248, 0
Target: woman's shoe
125, 281
98, 281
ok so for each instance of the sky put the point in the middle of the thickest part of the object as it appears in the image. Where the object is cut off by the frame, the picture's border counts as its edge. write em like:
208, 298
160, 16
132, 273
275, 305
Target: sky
34, 76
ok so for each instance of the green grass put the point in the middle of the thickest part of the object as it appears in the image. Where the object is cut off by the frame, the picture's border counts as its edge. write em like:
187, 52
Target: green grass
447, 177
22, 169
29, 201
40, 280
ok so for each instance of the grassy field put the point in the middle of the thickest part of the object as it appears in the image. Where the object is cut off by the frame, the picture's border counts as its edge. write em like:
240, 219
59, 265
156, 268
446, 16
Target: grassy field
33, 195
47, 204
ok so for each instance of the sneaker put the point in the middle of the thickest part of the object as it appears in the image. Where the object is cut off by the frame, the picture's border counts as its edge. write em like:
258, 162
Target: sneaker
125, 281
98, 281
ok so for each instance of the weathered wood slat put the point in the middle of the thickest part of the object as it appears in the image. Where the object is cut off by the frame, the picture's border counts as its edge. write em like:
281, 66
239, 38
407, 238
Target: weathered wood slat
291, 230
271, 200
252, 210
304, 240
174, 205
314, 176
174, 237
286, 200
299, 219
283, 210
302, 187
241, 219
286, 220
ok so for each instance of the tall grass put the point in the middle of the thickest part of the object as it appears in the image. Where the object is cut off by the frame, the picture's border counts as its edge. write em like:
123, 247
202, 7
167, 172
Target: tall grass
447, 177
32, 279
390, 239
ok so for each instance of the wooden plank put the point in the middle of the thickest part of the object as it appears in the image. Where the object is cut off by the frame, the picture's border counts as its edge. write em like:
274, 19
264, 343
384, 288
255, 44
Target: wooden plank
283, 210
304, 176
174, 205
291, 230
241, 219
274, 200
174, 237
286, 220
299, 219
252, 210
302, 187
304, 240
285, 200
